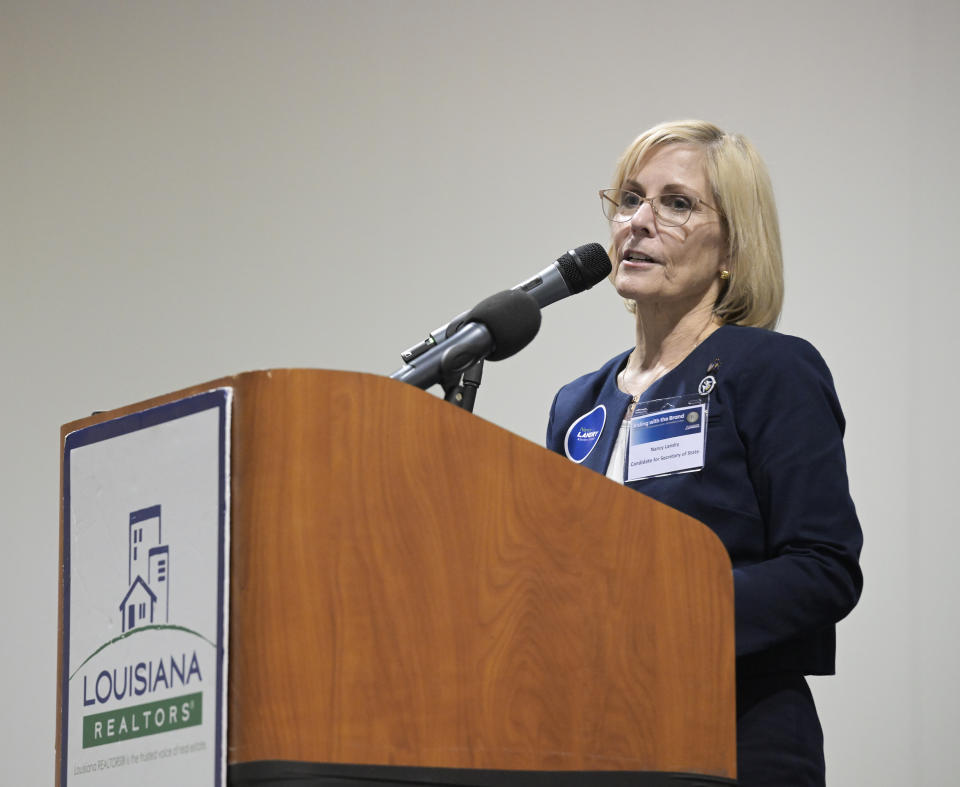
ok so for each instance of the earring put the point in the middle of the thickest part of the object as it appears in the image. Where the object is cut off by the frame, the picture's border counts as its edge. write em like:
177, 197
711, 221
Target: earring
725, 274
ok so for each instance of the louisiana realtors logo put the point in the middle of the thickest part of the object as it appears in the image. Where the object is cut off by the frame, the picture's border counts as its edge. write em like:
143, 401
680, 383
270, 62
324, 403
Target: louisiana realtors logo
139, 664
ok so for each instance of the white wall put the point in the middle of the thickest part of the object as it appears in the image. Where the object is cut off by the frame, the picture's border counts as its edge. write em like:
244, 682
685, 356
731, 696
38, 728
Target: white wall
189, 189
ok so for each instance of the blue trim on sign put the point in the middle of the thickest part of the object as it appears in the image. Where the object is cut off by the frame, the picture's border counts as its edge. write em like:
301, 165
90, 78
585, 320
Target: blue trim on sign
114, 428
221, 620
65, 614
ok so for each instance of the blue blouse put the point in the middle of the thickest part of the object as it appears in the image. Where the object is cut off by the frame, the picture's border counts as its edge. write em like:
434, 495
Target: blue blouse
773, 486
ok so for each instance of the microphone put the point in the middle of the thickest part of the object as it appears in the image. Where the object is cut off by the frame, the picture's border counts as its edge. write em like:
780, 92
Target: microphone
577, 270
496, 328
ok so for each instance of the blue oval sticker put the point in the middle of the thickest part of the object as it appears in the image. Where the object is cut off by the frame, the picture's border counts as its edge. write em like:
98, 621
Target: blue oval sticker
584, 433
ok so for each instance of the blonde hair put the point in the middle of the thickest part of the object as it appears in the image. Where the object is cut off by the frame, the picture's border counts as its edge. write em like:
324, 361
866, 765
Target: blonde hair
742, 192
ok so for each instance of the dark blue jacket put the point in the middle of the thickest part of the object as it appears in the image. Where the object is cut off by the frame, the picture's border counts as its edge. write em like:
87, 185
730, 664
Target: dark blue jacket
773, 486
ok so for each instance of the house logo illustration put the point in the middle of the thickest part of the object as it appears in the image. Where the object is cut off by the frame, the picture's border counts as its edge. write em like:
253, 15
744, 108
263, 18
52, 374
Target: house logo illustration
147, 600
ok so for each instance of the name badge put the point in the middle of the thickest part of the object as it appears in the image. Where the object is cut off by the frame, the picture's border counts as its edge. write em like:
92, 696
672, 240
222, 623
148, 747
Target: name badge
667, 436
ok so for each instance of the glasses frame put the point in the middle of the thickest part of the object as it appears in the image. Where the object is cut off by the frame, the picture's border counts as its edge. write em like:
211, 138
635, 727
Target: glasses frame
696, 203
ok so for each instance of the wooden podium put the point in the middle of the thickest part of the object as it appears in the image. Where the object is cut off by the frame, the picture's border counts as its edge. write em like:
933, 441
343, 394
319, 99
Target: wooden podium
414, 586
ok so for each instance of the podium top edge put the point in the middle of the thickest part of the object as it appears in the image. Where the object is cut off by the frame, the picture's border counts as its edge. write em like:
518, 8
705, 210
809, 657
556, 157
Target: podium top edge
229, 381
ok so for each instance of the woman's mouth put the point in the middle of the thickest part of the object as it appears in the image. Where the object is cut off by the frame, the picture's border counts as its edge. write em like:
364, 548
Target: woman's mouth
638, 257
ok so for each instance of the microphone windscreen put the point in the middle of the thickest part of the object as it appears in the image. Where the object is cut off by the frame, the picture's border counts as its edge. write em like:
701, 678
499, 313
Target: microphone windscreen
584, 266
513, 319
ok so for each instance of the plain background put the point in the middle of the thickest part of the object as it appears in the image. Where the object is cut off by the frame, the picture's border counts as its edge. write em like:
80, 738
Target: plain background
191, 189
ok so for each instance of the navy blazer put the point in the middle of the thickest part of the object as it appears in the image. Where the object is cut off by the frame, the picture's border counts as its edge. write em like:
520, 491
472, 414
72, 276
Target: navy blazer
773, 486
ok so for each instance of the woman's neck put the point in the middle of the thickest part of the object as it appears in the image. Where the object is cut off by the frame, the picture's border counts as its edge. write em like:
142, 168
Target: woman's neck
663, 340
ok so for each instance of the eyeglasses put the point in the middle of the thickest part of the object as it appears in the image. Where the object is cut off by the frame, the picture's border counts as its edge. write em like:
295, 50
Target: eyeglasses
671, 210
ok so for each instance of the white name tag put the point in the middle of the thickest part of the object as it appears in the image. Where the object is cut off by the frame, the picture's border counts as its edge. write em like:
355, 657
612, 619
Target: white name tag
667, 436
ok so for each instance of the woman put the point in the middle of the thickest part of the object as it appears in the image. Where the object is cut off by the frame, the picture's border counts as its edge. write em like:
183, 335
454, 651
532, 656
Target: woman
696, 256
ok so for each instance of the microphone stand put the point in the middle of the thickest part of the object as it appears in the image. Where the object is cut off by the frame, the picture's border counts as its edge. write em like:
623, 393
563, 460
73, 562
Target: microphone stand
462, 391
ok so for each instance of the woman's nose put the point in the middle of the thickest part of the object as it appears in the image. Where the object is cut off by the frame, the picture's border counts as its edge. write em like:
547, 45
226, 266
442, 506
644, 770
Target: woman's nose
644, 219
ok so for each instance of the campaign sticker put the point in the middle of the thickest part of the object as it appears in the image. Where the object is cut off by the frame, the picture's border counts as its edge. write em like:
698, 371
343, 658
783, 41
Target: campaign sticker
584, 433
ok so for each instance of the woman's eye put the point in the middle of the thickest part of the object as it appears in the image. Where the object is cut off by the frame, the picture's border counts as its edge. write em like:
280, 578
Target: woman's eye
629, 200
676, 202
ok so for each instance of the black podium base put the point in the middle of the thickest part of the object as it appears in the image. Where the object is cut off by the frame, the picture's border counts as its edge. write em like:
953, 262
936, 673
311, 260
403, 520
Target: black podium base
279, 773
